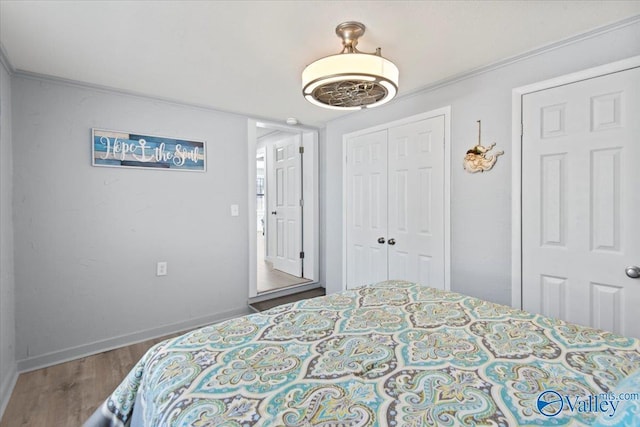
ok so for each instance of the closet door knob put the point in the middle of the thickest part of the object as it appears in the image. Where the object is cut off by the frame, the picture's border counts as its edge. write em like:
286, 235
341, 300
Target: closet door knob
392, 242
381, 240
632, 271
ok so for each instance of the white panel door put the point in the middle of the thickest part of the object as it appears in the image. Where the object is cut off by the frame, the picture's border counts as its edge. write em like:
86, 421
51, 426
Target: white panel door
581, 202
367, 209
284, 193
416, 200
395, 205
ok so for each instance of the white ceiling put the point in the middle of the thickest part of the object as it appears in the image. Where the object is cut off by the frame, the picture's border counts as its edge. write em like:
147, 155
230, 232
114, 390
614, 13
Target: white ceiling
247, 56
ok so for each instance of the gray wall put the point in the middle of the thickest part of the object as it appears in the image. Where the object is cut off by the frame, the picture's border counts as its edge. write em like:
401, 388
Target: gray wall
480, 203
87, 239
7, 307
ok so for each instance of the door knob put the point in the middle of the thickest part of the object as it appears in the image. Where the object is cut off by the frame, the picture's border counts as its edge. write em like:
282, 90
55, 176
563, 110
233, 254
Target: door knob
381, 240
392, 242
273, 212
632, 271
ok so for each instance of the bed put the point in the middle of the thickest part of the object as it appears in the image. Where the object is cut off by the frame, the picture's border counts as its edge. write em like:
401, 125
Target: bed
390, 354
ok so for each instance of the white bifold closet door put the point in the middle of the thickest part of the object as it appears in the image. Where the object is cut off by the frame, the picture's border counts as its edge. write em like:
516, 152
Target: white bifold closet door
367, 209
395, 201
581, 202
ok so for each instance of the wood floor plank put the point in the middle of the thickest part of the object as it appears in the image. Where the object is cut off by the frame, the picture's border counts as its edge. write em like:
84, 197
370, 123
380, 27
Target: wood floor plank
90, 394
65, 395
30, 391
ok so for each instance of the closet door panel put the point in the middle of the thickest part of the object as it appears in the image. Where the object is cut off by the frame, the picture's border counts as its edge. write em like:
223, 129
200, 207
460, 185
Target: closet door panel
416, 198
366, 209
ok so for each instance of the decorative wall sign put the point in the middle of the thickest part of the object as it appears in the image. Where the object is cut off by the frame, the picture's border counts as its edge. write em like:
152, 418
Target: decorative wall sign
476, 159
122, 149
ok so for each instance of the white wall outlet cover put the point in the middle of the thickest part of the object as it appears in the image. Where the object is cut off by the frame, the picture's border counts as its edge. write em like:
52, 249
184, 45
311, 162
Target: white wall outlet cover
235, 210
161, 268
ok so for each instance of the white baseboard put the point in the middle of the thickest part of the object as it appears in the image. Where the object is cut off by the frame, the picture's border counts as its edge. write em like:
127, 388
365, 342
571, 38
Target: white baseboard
6, 388
61, 356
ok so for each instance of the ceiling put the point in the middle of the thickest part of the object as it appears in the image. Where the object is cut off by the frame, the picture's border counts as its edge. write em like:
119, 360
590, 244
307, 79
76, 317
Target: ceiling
247, 56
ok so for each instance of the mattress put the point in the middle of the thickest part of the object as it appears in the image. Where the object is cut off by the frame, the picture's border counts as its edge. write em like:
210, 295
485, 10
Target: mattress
388, 354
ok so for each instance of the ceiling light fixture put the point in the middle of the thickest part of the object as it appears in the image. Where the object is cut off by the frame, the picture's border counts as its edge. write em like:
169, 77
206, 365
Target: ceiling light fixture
350, 80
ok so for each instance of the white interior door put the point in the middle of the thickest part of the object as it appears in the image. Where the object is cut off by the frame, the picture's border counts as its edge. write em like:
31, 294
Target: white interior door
416, 200
367, 209
395, 225
581, 202
285, 212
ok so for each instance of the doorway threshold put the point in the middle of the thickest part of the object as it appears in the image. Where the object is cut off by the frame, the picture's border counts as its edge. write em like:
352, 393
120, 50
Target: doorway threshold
275, 301
277, 293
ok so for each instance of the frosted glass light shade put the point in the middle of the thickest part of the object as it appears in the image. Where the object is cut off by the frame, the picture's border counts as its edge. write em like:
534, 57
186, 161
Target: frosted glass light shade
350, 81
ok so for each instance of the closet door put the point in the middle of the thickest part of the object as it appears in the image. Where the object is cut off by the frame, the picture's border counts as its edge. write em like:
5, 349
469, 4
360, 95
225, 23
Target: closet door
367, 209
581, 202
395, 225
415, 235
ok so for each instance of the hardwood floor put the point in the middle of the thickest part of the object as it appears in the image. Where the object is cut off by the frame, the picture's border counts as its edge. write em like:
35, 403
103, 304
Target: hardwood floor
66, 395
268, 278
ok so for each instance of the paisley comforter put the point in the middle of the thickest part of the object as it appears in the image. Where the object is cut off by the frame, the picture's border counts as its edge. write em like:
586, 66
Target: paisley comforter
389, 354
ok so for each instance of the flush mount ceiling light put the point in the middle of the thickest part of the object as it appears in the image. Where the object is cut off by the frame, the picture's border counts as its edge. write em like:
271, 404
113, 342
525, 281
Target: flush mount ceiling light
350, 80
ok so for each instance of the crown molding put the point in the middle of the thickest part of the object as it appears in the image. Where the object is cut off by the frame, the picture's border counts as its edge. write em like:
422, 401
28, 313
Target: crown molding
4, 60
512, 60
117, 91
141, 95
529, 54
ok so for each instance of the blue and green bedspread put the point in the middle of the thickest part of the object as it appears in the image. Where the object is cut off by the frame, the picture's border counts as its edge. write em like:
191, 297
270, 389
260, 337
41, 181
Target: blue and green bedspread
390, 354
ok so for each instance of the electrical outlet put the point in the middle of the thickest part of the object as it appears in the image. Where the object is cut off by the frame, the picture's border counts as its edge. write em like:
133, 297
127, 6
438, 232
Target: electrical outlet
161, 268
235, 210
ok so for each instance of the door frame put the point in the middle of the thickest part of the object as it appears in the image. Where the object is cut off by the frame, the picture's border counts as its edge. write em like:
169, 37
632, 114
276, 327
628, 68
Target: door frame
310, 231
516, 148
444, 111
